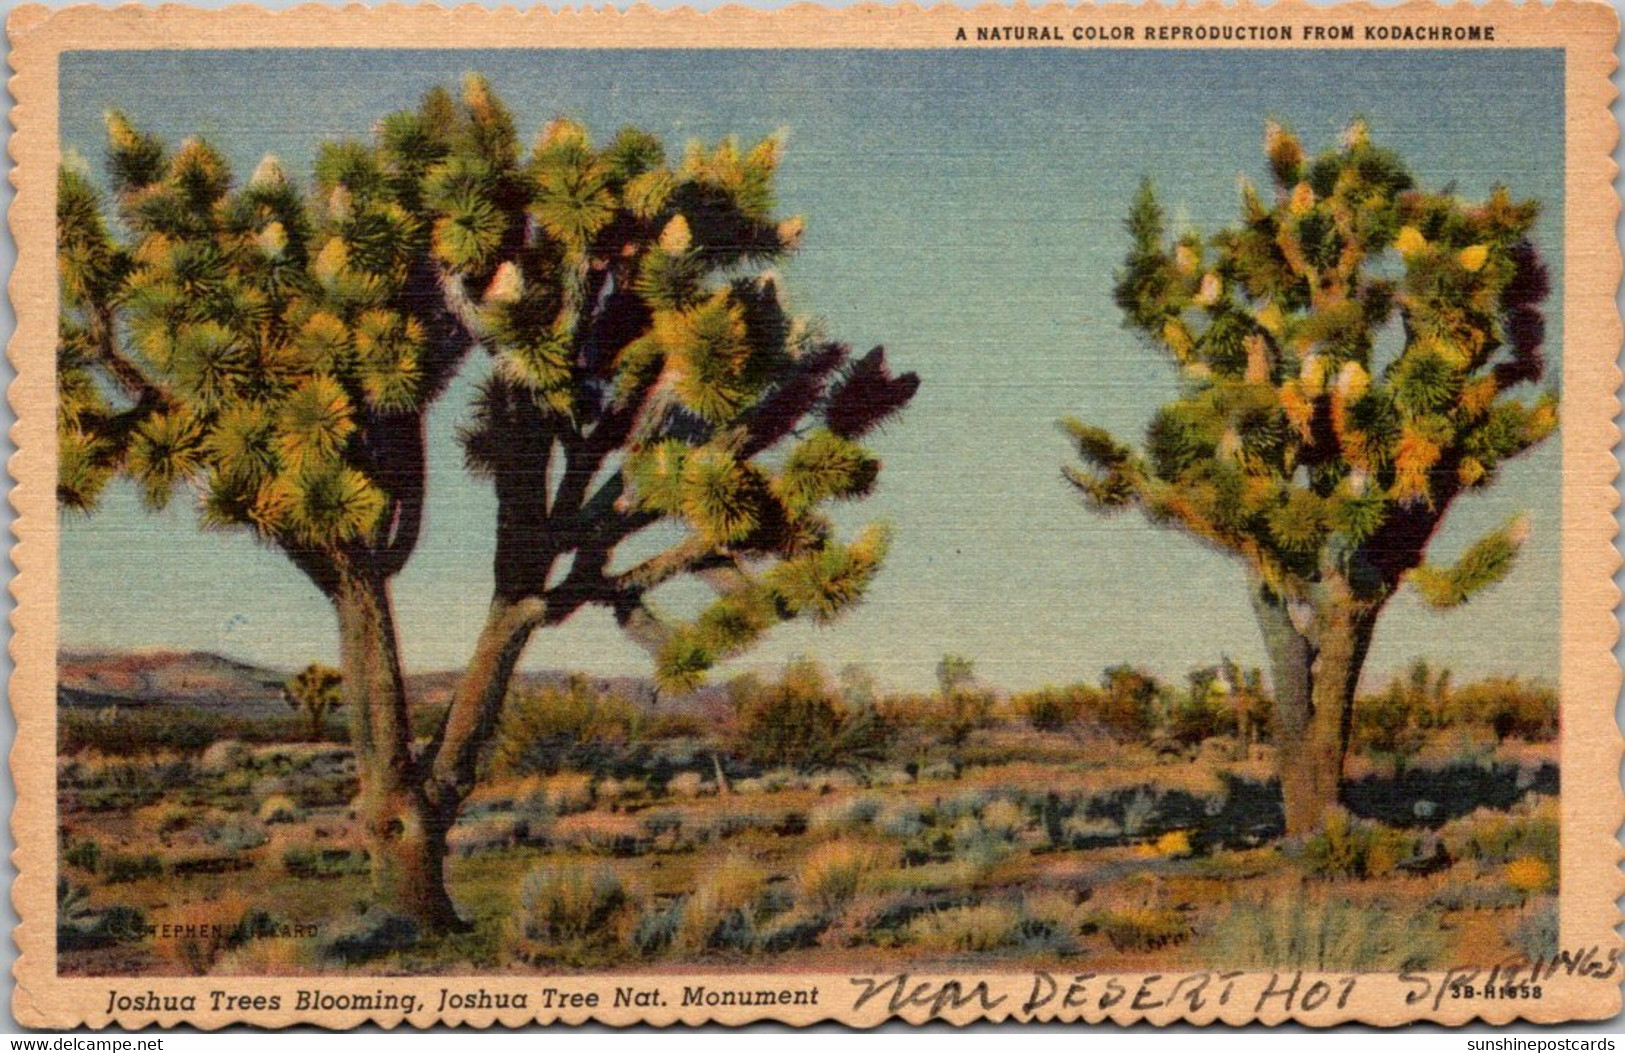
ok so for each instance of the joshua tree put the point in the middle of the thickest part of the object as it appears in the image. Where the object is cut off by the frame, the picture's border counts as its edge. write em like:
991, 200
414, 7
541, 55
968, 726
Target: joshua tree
954, 672
1347, 352
276, 350
317, 690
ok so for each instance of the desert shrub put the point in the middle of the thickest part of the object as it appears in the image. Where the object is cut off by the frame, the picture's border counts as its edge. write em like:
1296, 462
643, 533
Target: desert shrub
109, 782
1053, 708
1139, 810
1322, 933
722, 913
1125, 706
601, 833
1493, 838
79, 926
975, 929
233, 837
1476, 895
1195, 718
224, 756
656, 928
125, 868
1004, 818
83, 855
371, 935
689, 784
666, 725
566, 793
322, 863
546, 730
1536, 933
280, 808
1512, 707
899, 818
844, 814
568, 904
1080, 831
834, 872
1348, 847
1393, 722
1140, 928
801, 722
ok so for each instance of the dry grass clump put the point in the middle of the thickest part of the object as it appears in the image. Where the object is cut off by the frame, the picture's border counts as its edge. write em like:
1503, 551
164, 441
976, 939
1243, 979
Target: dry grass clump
564, 909
974, 929
1322, 932
280, 808
1492, 838
836, 871
723, 910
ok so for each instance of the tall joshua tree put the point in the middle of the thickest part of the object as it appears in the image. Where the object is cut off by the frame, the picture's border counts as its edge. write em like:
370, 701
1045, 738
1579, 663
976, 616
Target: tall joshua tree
651, 393
1349, 355
275, 350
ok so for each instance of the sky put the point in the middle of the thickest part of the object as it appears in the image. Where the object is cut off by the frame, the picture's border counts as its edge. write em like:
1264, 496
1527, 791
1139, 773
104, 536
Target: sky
965, 211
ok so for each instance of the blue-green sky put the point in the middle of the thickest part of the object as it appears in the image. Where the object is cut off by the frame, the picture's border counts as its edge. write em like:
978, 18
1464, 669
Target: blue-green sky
965, 211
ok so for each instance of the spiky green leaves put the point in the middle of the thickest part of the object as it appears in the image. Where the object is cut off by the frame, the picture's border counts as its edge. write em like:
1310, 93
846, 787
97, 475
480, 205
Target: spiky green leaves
721, 497
572, 199
708, 352
325, 504
168, 449
1486, 561
1111, 478
822, 467
820, 583
826, 581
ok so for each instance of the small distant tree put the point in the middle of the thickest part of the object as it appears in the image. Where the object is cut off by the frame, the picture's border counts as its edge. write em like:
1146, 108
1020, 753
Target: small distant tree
1349, 356
1249, 701
1128, 701
317, 690
955, 671
963, 704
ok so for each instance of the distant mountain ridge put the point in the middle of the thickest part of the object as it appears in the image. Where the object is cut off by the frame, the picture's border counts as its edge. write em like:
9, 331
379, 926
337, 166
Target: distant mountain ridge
95, 677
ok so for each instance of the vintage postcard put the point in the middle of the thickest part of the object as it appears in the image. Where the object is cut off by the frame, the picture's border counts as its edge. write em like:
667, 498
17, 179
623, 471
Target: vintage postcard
1092, 514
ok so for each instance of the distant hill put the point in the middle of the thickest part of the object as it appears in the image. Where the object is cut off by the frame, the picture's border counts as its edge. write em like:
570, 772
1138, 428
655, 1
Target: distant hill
202, 678
97, 677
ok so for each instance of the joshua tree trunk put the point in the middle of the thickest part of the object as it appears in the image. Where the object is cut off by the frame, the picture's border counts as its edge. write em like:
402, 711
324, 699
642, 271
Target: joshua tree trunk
405, 834
477, 704
1315, 658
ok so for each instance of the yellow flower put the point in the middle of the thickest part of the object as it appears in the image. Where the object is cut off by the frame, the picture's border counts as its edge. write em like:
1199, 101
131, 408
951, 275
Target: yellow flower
1529, 874
1175, 844
1303, 199
1410, 242
1473, 256
1271, 318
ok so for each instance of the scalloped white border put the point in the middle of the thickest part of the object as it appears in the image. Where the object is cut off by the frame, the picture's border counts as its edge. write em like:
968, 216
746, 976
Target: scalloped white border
1592, 804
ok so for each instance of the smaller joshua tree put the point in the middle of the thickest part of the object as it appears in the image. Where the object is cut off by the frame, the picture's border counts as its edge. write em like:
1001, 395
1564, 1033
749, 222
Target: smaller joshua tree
317, 690
1350, 352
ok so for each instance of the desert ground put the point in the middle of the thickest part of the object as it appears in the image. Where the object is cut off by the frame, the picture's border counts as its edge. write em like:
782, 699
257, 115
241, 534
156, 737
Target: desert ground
811, 822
